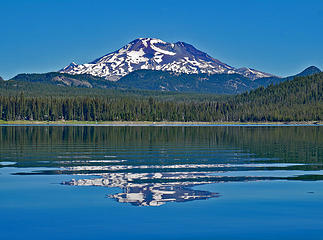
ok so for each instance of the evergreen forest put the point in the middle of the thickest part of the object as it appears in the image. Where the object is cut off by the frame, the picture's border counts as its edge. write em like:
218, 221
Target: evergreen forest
298, 99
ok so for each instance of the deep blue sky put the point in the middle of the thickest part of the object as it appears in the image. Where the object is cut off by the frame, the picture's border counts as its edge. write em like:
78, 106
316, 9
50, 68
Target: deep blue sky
280, 37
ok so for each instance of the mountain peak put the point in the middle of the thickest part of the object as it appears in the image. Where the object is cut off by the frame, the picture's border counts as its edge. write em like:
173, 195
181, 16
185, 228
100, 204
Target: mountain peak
145, 41
154, 54
252, 73
69, 67
309, 71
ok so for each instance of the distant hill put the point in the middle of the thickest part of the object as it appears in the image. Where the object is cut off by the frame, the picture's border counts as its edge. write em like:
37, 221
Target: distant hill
215, 83
308, 71
63, 79
274, 80
161, 81
180, 82
43, 89
1, 79
149, 80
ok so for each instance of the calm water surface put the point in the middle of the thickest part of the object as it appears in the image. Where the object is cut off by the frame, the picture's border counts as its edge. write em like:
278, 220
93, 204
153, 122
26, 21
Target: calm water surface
161, 182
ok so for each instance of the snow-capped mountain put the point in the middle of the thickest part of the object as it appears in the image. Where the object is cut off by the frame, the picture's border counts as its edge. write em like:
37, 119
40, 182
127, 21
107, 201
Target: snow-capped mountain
155, 54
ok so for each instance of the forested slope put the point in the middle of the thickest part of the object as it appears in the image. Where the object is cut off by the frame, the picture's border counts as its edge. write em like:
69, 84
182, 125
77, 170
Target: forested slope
299, 99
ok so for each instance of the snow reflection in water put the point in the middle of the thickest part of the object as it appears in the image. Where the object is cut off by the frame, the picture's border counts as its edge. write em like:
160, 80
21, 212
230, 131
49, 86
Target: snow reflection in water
150, 193
173, 184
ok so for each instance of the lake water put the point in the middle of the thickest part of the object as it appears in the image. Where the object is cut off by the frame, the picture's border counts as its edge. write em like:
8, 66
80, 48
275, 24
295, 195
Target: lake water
237, 182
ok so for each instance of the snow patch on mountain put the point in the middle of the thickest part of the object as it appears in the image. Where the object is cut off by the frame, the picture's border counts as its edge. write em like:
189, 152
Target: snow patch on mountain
155, 54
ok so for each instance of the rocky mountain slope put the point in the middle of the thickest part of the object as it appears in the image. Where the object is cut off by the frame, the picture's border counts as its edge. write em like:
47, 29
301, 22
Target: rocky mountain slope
155, 54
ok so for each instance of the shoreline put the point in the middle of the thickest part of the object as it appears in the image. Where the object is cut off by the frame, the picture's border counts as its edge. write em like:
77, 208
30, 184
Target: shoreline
157, 124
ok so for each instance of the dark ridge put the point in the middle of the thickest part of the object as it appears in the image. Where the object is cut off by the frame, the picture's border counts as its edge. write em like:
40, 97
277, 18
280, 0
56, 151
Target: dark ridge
162, 81
309, 71
64, 79
180, 82
275, 80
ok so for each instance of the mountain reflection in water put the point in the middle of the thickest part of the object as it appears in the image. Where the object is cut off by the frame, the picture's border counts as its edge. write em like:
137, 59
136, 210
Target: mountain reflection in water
157, 188
149, 194
156, 165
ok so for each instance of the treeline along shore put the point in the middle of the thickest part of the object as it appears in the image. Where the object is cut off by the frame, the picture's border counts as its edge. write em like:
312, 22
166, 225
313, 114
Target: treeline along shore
300, 99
